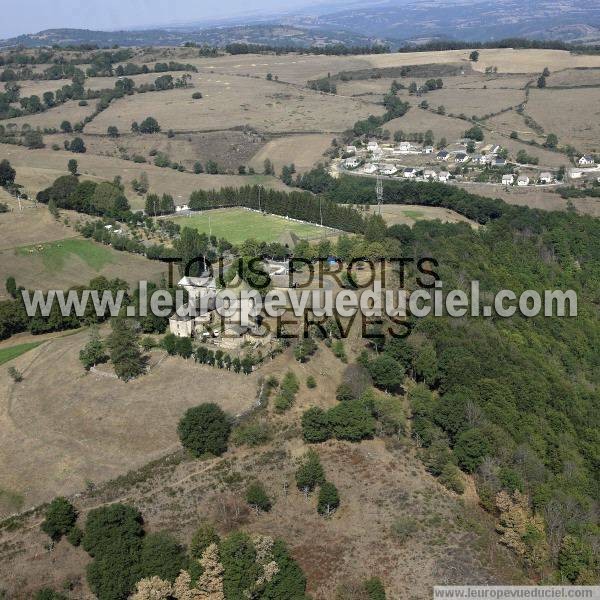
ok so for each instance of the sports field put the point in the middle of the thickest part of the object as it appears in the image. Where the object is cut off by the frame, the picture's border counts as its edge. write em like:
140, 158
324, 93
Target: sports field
238, 224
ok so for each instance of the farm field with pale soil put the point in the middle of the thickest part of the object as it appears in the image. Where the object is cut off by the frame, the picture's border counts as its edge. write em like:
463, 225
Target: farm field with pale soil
239, 224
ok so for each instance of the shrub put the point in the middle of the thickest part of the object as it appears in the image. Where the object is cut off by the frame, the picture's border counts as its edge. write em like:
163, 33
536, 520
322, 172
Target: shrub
257, 497
48, 594
149, 125
251, 434
203, 537
15, 375
162, 556
450, 478
374, 588
351, 421
287, 393
75, 536
344, 392
60, 518
403, 528
204, 429
310, 473
316, 426
470, 448
311, 383
197, 95
329, 498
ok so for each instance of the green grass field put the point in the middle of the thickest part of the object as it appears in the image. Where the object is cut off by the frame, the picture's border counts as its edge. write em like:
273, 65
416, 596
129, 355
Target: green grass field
237, 225
56, 254
13, 352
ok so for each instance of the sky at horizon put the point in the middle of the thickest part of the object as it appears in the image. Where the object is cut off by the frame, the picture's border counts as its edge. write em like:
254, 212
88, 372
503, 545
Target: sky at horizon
38, 15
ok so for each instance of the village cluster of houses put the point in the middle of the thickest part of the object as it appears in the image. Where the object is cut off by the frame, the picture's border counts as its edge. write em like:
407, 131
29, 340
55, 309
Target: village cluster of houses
377, 159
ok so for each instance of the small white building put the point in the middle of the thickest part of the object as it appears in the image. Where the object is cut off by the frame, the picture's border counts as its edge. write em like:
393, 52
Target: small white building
403, 148
461, 157
522, 180
388, 170
372, 146
508, 179
586, 161
575, 173
352, 162
409, 172
546, 177
428, 150
444, 176
369, 168
350, 149
181, 207
430, 174
443, 155
478, 159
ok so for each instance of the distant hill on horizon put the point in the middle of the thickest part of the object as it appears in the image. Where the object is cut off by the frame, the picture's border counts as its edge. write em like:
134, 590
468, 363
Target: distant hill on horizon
394, 22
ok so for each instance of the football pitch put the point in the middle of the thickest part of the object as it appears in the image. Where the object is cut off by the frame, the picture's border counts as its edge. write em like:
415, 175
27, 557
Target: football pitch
238, 224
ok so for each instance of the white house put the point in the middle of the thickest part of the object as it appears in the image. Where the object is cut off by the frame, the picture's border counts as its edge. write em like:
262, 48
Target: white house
522, 180
352, 162
181, 207
575, 173
403, 148
461, 157
369, 168
546, 177
428, 150
478, 159
443, 155
586, 161
444, 176
409, 173
430, 174
371, 146
508, 179
388, 169
350, 149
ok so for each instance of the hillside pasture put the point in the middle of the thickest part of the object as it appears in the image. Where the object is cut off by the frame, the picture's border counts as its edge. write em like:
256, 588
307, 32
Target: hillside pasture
29, 226
52, 118
579, 110
70, 262
304, 151
92, 428
574, 78
409, 214
418, 120
474, 101
235, 102
229, 149
239, 224
37, 169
